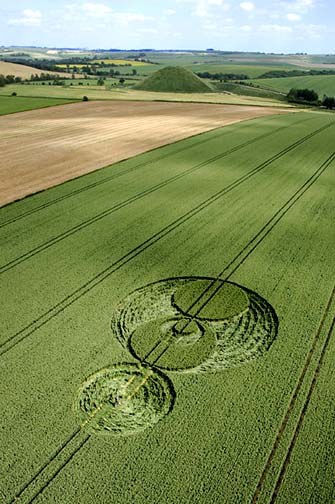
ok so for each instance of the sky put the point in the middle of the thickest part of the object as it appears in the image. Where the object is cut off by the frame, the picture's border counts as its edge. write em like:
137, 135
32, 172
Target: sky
281, 26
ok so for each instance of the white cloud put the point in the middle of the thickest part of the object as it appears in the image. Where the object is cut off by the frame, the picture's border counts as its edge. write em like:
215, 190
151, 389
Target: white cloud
153, 31
313, 31
275, 28
210, 26
128, 17
100, 10
29, 18
96, 9
247, 6
170, 12
203, 8
301, 6
246, 28
293, 17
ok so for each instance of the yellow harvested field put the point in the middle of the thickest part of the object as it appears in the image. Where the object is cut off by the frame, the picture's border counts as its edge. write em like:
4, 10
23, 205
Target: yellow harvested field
24, 71
42, 148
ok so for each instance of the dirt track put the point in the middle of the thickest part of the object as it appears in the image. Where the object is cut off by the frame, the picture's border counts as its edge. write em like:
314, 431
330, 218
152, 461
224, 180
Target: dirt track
44, 147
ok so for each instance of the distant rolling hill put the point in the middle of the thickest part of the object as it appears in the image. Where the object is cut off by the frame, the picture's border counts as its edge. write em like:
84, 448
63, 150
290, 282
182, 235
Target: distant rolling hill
322, 84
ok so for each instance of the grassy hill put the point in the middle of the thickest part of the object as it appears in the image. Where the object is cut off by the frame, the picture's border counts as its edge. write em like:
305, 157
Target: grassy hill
322, 84
174, 79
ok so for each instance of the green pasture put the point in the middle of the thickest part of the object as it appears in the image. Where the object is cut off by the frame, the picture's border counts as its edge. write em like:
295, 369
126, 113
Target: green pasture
251, 204
322, 84
251, 69
126, 93
12, 104
232, 87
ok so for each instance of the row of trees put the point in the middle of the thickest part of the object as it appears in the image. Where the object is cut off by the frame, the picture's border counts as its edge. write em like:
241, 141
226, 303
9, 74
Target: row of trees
294, 73
310, 97
222, 76
9, 79
45, 77
302, 95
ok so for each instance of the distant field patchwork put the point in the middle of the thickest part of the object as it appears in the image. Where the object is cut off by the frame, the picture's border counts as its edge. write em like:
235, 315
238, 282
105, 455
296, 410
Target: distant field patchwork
322, 84
167, 328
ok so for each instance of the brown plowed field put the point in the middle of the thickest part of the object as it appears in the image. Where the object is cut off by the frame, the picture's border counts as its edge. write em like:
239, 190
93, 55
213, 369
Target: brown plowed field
42, 148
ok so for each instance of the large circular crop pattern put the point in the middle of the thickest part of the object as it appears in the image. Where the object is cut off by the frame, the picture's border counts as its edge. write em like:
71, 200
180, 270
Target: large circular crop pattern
185, 325
193, 324
124, 399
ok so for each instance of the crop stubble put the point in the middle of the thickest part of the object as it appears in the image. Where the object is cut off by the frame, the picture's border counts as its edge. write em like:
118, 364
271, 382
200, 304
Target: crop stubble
42, 148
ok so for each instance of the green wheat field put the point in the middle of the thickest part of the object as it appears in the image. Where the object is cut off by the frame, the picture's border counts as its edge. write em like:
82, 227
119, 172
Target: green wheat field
167, 322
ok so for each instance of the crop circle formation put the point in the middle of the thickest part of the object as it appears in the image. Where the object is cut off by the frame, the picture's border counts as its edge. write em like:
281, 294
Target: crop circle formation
194, 324
124, 399
188, 324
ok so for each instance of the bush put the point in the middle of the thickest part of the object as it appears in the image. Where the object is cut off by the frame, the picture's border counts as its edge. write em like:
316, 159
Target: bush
14, 93
329, 102
302, 95
85, 98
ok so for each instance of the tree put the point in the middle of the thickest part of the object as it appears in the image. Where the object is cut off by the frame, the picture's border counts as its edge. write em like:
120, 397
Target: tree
122, 80
100, 81
134, 71
329, 102
302, 95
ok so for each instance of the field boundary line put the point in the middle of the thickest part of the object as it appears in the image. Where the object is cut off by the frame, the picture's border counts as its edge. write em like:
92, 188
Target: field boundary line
293, 399
302, 415
102, 275
134, 168
105, 213
273, 222
115, 175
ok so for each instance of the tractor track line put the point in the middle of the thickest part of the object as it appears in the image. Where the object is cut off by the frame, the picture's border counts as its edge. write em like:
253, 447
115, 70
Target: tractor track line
255, 241
49, 243
275, 219
134, 168
53, 456
120, 174
302, 415
289, 204
56, 471
122, 204
293, 400
99, 277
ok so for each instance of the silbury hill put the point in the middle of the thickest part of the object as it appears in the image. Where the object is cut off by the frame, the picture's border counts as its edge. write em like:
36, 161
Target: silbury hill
174, 80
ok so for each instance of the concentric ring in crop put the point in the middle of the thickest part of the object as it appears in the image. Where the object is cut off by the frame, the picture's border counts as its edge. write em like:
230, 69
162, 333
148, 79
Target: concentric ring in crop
124, 399
243, 323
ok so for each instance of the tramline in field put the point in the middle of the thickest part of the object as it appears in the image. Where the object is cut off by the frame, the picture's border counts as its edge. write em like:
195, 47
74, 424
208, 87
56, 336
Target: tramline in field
170, 323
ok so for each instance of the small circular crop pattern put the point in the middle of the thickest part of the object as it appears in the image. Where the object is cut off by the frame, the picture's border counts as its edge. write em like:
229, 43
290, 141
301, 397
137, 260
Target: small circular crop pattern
124, 399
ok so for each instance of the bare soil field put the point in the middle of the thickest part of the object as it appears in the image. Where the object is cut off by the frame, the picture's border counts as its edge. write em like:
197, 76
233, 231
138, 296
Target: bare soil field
45, 147
24, 71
